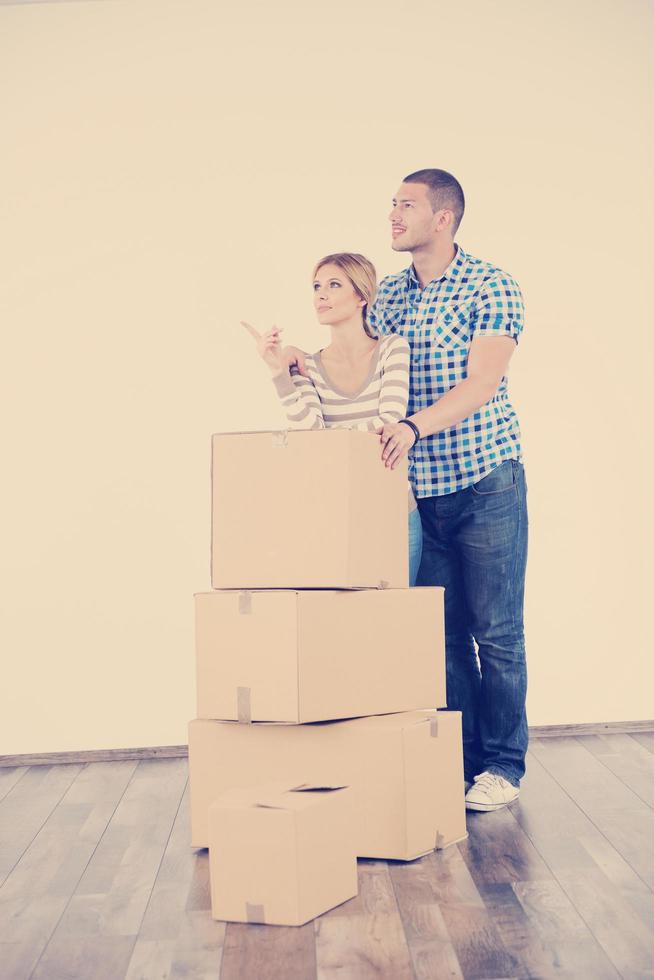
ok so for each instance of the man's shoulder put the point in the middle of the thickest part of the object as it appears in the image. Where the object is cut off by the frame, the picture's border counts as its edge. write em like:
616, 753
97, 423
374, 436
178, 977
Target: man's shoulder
393, 281
487, 275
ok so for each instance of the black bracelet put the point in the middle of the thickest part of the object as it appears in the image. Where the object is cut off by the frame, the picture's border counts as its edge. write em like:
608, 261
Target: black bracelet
414, 428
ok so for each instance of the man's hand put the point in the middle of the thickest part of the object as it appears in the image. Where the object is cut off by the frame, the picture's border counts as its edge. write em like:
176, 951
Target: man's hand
397, 439
293, 356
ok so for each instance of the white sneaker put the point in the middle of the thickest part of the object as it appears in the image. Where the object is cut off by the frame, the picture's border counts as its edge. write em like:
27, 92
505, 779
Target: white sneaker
490, 792
466, 786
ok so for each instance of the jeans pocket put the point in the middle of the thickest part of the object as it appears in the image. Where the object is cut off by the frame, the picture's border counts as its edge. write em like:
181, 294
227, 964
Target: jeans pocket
499, 480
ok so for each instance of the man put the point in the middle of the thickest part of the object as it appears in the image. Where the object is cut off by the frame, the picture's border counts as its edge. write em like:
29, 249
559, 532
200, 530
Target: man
462, 318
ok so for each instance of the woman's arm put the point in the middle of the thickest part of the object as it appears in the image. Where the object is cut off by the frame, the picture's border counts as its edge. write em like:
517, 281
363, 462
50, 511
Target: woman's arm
299, 400
297, 394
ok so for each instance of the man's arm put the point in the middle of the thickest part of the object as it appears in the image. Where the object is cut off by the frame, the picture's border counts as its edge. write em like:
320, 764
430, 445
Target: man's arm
497, 322
488, 361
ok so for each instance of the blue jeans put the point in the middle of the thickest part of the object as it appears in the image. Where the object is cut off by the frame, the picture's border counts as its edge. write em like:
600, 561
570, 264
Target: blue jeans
475, 545
415, 545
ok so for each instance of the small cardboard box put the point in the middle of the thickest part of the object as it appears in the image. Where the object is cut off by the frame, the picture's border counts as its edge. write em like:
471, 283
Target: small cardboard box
318, 655
281, 855
307, 510
405, 770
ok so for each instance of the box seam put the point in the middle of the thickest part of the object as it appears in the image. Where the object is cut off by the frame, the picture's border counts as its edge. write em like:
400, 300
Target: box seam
349, 514
298, 646
297, 867
405, 797
211, 521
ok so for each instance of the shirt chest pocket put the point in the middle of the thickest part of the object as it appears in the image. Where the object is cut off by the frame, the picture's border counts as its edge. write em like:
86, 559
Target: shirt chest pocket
449, 325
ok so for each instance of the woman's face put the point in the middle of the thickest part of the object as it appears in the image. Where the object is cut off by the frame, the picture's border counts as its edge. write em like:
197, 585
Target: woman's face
334, 297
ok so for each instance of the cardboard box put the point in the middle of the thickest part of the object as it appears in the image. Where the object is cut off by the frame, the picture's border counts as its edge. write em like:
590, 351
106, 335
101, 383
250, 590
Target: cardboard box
307, 510
405, 770
281, 855
318, 655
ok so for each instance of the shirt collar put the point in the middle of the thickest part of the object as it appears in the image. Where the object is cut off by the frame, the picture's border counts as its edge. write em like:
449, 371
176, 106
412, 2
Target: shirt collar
453, 270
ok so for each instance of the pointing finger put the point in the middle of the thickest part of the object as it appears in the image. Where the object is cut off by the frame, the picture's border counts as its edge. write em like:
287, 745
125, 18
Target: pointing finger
250, 329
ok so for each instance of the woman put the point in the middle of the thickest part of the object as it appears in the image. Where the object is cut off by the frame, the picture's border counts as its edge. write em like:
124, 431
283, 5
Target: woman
358, 381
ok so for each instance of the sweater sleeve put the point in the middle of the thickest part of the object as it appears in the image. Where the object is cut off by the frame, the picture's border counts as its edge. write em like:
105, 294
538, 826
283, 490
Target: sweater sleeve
394, 391
300, 401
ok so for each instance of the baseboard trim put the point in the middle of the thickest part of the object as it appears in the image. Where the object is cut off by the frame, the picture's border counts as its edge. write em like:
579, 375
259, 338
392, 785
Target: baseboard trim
594, 728
181, 751
96, 755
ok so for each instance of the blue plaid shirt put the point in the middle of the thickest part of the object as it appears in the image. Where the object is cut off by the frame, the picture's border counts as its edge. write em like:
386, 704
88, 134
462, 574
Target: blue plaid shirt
471, 299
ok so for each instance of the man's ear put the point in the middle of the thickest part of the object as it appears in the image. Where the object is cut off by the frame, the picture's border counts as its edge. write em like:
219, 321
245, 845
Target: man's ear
445, 217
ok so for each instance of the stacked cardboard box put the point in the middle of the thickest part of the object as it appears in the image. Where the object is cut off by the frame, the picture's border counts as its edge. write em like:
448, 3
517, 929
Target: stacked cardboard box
319, 669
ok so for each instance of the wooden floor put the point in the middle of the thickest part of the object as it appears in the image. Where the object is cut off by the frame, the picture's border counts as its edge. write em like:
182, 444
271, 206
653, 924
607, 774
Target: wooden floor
98, 881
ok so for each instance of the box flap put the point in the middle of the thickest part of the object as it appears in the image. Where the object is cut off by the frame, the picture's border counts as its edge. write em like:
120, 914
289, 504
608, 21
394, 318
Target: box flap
397, 721
316, 788
299, 797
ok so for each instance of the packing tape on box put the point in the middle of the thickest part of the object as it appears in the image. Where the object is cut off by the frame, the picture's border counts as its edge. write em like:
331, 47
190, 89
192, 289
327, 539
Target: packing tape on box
244, 602
433, 727
440, 841
243, 705
255, 913
280, 440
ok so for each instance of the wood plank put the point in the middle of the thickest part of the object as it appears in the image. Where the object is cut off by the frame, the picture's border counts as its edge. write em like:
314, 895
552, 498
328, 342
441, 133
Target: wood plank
364, 938
631, 762
430, 946
199, 895
569, 946
9, 778
90, 958
646, 739
505, 865
178, 937
603, 887
567, 838
268, 952
543, 807
617, 811
497, 851
477, 943
104, 915
629, 885
27, 806
592, 786
632, 835
37, 891
523, 939
624, 937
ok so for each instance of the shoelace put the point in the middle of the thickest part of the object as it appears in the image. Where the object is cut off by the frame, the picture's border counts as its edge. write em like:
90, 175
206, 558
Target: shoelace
486, 782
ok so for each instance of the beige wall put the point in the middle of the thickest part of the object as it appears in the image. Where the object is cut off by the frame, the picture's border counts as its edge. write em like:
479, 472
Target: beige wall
168, 168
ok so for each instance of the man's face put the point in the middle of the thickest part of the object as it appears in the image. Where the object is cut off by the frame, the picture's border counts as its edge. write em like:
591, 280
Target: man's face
413, 222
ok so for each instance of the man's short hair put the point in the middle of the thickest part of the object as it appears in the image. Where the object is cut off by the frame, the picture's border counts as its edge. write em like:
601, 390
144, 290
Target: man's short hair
444, 192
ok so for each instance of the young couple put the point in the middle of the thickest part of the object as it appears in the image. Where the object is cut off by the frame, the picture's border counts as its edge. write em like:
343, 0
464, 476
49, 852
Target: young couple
423, 361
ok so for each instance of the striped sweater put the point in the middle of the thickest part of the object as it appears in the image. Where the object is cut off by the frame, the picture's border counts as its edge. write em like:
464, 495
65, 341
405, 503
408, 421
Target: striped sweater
316, 403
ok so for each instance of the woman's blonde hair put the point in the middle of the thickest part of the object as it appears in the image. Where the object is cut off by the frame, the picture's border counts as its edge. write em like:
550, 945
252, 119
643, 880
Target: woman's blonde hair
361, 273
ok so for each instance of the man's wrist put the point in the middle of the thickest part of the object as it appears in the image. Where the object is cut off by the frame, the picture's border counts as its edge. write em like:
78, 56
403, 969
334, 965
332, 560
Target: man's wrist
414, 428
